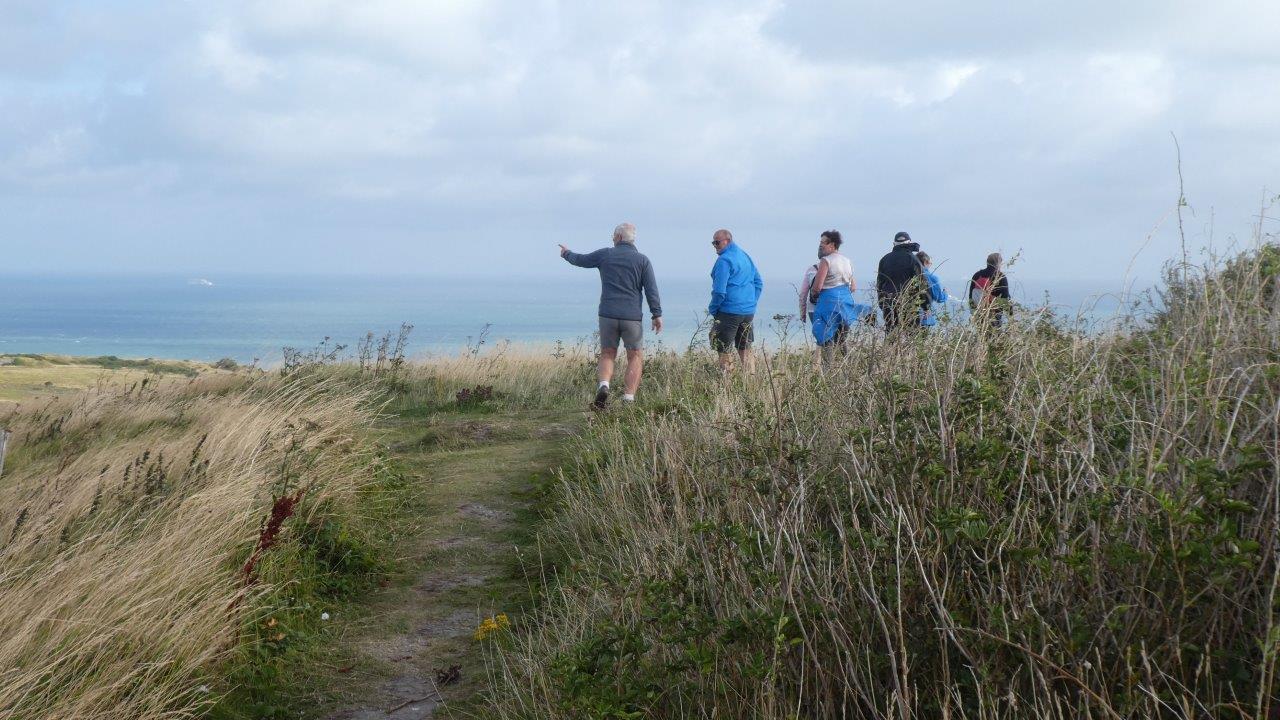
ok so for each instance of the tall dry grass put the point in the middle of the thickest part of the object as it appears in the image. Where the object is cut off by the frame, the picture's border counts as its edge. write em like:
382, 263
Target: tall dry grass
1040, 522
521, 377
126, 514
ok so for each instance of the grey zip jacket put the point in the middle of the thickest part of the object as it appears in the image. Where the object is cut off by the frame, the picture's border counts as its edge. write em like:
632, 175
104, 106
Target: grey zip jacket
624, 273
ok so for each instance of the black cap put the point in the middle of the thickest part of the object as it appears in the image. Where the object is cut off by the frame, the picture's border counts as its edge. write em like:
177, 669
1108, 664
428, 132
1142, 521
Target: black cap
901, 237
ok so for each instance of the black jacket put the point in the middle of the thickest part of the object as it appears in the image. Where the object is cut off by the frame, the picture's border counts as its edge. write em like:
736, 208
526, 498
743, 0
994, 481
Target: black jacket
899, 272
988, 277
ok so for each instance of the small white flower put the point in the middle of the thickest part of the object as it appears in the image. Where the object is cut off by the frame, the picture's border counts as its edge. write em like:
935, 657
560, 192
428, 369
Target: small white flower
203, 689
324, 616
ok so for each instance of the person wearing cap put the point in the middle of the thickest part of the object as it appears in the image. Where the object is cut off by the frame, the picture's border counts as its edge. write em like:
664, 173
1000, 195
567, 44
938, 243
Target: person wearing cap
901, 288
735, 289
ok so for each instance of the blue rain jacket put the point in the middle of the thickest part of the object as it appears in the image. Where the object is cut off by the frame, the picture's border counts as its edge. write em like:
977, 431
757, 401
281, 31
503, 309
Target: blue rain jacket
835, 310
735, 283
936, 295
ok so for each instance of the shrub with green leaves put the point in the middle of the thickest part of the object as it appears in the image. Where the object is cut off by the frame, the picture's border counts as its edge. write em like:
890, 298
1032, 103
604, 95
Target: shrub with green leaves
1042, 522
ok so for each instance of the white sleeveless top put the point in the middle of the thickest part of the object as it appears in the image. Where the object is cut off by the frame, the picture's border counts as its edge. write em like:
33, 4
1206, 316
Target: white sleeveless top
839, 271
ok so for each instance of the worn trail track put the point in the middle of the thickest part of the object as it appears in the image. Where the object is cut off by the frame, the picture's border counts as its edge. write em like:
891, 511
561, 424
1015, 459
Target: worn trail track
475, 475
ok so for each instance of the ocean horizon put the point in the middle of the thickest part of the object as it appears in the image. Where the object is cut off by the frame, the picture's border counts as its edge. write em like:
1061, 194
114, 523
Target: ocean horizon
252, 317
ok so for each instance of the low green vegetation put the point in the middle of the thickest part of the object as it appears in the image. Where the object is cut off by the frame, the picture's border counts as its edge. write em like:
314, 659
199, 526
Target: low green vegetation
108, 362
463, 554
227, 545
328, 558
462, 467
27, 377
1037, 523
1040, 522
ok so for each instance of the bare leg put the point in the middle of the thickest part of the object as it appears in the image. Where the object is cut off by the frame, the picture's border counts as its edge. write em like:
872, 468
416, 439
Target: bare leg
748, 359
605, 365
726, 362
825, 352
635, 366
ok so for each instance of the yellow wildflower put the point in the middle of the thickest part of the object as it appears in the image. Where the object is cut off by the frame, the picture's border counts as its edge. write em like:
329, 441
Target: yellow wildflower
491, 625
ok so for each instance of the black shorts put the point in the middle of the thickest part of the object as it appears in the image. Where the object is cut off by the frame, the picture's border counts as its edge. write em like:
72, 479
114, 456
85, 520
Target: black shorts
730, 331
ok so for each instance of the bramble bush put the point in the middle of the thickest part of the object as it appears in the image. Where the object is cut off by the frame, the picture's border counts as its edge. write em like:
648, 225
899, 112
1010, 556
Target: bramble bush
1041, 522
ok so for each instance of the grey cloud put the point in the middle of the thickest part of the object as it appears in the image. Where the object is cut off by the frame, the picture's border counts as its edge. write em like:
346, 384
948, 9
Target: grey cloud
900, 32
273, 126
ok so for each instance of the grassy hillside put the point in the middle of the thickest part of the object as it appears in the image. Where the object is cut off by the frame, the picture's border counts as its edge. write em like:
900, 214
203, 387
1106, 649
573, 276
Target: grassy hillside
1039, 523
26, 376
172, 536
163, 541
1034, 523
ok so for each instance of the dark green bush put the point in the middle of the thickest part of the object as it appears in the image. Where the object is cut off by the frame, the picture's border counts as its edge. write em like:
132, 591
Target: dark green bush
1044, 523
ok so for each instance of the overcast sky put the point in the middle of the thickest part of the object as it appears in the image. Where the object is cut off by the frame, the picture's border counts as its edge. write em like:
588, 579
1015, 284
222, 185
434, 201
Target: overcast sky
470, 136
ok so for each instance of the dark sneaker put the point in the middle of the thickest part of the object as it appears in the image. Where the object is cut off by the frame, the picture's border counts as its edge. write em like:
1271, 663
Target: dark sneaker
602, 398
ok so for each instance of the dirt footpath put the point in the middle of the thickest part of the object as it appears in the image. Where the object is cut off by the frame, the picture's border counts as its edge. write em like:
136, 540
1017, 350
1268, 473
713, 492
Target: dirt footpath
415, 653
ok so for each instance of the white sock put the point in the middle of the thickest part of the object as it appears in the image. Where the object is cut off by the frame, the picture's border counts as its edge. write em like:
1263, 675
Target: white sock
604, 384
628, 397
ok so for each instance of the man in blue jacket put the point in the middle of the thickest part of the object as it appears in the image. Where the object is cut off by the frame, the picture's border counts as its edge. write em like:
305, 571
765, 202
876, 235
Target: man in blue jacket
624, 274
735, 289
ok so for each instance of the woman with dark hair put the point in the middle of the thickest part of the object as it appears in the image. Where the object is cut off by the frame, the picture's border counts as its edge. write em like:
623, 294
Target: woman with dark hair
831, 292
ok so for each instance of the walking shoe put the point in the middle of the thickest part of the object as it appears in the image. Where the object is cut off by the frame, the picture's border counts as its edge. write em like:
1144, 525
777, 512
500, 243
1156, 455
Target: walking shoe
602, 397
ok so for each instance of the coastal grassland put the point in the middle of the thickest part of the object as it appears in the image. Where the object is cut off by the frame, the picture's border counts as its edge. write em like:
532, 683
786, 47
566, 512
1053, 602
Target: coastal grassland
475, 472
518, 378
476, 439
167, 542
27, 376
172, 535
1039, 522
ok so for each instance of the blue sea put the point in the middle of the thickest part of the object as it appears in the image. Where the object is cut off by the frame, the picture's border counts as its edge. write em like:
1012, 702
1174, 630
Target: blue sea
247, 317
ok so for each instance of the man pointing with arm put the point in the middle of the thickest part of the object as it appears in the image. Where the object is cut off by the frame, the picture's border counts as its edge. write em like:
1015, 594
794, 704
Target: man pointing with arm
624, 274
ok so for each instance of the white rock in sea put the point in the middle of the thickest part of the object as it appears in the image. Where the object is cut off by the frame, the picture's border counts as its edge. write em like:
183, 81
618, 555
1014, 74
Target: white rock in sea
201, 282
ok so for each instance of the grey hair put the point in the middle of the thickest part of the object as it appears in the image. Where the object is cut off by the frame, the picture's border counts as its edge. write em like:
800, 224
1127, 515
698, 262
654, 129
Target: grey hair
994, 259
723, 232
625, 233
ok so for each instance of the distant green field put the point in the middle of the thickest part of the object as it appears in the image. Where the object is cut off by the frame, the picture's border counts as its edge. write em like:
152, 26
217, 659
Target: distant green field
26, 376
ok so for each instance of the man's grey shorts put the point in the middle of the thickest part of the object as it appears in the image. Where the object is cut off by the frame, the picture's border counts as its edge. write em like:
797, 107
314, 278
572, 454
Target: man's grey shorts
630, 332
729, 331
